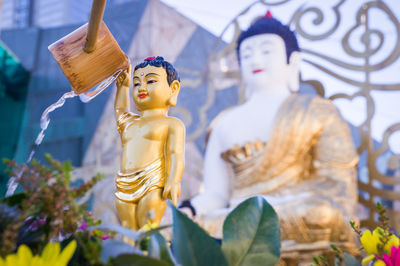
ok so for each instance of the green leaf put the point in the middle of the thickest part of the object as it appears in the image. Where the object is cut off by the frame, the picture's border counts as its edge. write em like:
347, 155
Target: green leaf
15, 199
192, 245
151, 232
158, 249
349, 260
316, 260
251, 234
113, 248
67, 169
48, 157
145, 235
136, 260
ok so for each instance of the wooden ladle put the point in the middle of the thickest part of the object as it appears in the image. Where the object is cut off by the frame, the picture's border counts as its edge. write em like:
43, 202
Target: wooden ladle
90, 54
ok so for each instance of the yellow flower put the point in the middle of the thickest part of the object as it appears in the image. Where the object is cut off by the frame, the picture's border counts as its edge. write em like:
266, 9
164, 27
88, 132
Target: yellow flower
370, 241
379, 263
368, 259
51, 256
148, 227
393, 241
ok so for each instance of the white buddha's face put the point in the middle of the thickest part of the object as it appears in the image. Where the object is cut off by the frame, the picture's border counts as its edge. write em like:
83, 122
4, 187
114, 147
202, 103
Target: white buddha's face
263, 63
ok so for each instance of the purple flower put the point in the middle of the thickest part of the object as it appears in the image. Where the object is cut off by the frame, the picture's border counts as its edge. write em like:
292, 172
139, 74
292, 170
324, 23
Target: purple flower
105, 237
36, 223
83, 226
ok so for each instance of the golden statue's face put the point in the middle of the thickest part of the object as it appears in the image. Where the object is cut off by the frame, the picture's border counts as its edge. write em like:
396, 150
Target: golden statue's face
150, 88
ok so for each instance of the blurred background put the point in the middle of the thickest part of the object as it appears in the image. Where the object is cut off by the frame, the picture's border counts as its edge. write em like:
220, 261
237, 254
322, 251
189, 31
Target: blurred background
350, 53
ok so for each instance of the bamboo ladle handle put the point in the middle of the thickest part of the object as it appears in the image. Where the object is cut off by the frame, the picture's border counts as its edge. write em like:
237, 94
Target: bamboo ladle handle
96, 15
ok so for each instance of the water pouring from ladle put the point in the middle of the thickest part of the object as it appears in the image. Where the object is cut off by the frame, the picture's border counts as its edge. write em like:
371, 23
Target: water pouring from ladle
91, 59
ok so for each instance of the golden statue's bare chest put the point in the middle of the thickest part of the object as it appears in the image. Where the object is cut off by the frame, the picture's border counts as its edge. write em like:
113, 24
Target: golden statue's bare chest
149, 129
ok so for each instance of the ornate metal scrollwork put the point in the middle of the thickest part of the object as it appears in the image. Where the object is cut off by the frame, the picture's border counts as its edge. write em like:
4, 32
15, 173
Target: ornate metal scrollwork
300, 14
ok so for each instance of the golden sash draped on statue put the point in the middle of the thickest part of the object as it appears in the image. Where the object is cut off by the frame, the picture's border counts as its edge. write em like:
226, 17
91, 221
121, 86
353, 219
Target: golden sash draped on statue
133, 185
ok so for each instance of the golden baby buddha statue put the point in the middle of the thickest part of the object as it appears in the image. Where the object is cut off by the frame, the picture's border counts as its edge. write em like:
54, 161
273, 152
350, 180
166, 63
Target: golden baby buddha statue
294, 149
153, 143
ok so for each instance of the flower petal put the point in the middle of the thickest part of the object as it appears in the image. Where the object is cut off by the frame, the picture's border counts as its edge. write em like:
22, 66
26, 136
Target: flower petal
393, 242
393, 251
37, 261
386, 259
396, 256
368, 242
379, 263
24, 255
67, 253
84, 226
368, 259
51, 252
11, 260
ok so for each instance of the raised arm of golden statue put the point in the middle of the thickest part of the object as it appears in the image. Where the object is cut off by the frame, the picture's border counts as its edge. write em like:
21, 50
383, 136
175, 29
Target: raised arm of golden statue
153, 143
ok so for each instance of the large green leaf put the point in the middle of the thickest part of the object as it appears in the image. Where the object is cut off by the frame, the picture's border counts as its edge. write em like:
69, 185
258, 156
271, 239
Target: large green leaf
252, 234
136, 260
191, 244
350, 260
151, 232
113, 248
158, 248
14, 200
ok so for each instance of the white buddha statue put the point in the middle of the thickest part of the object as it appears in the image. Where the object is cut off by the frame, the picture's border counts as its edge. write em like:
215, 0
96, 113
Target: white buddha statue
294, 149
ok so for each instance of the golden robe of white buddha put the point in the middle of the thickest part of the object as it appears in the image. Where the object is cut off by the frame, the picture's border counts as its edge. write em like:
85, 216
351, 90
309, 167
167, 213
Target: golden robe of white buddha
309, 164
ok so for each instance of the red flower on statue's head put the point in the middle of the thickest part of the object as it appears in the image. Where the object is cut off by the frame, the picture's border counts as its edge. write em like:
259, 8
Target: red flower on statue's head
268, 14
149, 58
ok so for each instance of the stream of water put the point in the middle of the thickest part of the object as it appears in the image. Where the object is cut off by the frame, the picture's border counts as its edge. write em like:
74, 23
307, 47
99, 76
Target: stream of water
44, 123
45, 120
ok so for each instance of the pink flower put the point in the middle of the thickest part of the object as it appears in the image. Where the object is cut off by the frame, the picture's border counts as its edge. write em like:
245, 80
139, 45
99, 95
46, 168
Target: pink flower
83, 226
36, 223
393, 259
